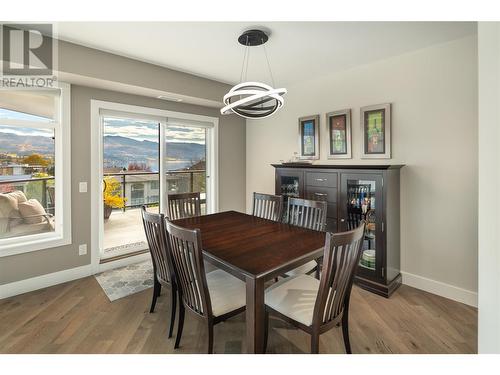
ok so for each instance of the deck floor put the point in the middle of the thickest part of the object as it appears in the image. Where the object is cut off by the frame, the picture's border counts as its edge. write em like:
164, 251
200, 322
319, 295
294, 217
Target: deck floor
124, 233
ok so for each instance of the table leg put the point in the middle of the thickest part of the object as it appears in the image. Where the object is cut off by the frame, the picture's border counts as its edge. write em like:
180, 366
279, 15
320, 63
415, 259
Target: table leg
255, 315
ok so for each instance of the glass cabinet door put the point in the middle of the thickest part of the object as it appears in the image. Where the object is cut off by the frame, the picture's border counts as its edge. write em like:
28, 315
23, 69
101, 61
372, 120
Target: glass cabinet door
362, 200
289, 184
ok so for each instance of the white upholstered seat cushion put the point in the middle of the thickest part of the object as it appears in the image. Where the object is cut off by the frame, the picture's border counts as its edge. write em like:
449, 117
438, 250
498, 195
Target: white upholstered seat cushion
305, 268
294, 297
227, 293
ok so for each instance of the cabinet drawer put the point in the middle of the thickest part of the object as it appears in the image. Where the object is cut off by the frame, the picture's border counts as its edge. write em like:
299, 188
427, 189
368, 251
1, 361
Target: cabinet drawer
321, 179
321, 194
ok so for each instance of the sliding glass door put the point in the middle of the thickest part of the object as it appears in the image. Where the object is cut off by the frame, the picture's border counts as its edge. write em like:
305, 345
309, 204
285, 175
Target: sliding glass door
131, 166
185, 159
139, 169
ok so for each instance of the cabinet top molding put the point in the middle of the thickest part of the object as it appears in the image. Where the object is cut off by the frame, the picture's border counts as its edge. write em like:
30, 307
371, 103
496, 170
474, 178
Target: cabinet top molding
339, 166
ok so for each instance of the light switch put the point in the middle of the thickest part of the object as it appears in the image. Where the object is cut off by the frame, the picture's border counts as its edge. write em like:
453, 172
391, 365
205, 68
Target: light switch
83, 187
82, 249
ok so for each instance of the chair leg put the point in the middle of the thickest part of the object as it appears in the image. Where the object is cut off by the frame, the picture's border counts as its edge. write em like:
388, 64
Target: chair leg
156, 293
345, 332
180, 324
318, 268
314, 343
173, 307
210, 337
266, 330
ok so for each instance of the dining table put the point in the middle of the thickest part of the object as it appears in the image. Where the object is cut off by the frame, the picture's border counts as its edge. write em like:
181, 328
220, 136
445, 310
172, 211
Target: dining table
254, 250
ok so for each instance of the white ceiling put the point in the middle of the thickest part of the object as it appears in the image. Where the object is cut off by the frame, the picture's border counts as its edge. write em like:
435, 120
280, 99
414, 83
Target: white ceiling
297, 50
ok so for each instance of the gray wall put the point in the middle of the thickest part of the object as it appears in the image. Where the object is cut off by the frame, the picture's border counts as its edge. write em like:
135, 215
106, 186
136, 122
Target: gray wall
232, 140
88, 62
433, 92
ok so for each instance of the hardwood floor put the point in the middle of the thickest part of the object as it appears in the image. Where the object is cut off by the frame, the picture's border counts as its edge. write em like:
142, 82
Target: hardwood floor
77, 317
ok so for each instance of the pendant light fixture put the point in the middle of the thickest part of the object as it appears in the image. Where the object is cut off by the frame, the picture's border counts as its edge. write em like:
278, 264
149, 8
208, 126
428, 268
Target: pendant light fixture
253, 100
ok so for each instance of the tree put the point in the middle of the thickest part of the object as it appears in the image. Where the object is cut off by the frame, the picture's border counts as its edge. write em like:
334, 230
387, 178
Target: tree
36, 159
138, 167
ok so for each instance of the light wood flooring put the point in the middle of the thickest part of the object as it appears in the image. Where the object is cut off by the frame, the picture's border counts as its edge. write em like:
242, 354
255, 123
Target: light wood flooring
77, 317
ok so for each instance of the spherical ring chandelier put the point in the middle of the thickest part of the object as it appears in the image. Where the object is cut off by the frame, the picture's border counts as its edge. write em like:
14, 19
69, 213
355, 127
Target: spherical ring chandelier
253, 100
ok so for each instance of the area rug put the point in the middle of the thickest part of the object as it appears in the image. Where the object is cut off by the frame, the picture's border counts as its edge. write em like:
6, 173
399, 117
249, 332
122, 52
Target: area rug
124, 281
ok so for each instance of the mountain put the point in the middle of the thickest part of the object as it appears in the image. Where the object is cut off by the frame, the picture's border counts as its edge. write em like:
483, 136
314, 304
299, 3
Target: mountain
118, 151
26, 144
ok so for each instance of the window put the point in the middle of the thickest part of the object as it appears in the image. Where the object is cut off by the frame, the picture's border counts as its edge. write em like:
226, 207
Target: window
137, 194
34, 169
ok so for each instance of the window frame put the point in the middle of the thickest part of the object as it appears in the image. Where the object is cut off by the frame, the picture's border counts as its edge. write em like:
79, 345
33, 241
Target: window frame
61, 236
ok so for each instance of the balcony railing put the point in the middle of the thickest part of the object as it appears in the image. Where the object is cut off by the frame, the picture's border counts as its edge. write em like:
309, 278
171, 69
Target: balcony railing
185, 181
40, 188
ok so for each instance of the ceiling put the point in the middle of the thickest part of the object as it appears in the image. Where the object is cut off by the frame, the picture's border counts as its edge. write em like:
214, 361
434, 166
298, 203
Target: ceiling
297, 50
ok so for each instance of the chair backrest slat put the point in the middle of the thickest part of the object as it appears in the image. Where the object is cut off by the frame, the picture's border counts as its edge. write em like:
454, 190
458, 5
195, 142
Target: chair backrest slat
184, 205
340, 262
267, 206
154, 228
307, 213
187, 258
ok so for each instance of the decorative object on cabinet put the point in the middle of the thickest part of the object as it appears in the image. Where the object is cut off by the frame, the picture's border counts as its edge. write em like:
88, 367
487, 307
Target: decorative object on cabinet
376, 130
309, 137
354, 193
339, 134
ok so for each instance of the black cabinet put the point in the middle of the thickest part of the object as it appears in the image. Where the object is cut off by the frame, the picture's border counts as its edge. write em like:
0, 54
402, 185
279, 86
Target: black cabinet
355, 193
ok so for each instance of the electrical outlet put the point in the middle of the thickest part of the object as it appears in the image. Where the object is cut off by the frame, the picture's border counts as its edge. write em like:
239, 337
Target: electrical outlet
83, 187
82, 249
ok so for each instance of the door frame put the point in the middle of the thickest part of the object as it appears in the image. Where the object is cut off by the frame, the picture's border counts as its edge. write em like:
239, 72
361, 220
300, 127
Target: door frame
96, 153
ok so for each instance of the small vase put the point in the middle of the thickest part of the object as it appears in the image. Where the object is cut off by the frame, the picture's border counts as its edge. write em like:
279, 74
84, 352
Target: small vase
107, 211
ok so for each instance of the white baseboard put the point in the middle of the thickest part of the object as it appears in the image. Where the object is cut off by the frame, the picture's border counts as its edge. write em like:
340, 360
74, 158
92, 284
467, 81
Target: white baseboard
51, 279
441, 289
44, 281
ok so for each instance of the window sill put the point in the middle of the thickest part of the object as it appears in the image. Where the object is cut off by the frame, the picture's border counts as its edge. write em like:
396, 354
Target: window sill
32, 243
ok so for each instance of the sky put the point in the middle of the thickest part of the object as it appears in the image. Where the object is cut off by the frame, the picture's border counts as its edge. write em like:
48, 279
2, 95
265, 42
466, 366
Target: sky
139, 130
13, 115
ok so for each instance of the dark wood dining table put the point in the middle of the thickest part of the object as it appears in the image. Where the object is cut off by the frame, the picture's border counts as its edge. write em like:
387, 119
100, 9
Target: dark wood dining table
254, 250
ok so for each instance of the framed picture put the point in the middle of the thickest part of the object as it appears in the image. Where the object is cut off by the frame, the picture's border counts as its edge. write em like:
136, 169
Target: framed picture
376, 130
309, 137
339, 134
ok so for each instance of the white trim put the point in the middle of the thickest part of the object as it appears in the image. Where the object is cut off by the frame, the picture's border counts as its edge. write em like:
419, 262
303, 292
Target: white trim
62, 234
441, 289
44, 281
96, 208
96, 160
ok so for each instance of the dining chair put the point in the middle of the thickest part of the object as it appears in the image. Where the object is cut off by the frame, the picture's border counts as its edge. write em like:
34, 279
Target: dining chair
267, 206
212, 297
316, 306
154, 228
184, 205
310, 214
